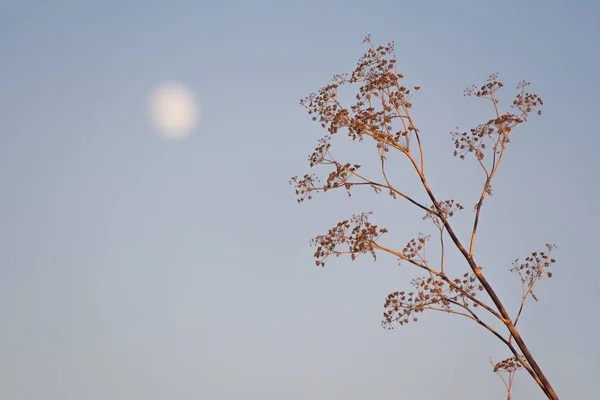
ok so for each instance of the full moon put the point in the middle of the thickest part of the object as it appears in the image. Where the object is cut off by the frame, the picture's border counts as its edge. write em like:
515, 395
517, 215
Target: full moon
173, 110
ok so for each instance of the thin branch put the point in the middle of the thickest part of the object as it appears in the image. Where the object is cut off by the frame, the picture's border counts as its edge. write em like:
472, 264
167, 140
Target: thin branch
383, 186
440, 275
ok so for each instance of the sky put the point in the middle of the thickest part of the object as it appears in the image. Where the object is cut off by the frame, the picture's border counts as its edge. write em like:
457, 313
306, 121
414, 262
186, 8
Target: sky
137, 267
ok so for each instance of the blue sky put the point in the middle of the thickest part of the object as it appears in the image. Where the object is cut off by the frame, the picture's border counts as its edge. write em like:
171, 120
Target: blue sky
133, 267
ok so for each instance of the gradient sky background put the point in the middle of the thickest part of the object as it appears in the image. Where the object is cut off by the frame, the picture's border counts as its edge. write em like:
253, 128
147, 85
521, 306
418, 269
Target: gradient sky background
133, 267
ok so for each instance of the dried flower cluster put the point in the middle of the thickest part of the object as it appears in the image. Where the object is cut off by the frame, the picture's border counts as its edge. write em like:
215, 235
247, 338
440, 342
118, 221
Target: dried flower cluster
508, 367
413, 248
534, 267
431, 293
511, 364
304, 186
381, 101
357, 233
493, 136
530, 272
447, 208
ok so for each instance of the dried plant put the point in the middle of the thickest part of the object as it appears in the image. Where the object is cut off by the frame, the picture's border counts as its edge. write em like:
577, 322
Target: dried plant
506, 370
382, 113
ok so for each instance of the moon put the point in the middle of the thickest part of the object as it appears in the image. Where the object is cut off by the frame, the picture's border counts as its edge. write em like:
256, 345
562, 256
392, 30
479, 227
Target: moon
174, 110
